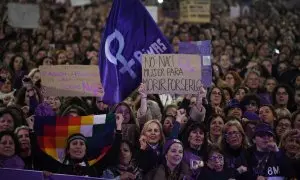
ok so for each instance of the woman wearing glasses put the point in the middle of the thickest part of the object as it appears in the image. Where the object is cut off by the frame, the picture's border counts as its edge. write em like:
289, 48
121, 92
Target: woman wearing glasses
214, 167
234, 143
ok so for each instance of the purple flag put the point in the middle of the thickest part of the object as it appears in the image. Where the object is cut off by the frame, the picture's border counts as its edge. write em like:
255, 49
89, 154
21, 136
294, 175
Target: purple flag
130, 32
18, 174
204, 49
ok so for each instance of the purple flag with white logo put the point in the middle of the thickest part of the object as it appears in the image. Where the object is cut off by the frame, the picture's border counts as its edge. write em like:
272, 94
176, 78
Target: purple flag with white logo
130, 32
204, 49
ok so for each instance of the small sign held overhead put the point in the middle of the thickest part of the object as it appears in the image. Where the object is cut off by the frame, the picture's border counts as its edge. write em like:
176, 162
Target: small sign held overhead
24, 16
80, 2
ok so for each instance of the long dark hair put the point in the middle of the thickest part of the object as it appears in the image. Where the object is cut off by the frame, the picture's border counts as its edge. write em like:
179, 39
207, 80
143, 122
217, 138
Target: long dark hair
11, 65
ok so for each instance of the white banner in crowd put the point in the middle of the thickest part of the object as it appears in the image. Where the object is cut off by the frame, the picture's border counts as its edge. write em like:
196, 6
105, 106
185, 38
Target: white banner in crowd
153, 10
80, 2
23, 15
235, 11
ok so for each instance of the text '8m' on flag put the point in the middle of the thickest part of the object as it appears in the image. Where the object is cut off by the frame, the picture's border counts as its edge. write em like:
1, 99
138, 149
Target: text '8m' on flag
130, 32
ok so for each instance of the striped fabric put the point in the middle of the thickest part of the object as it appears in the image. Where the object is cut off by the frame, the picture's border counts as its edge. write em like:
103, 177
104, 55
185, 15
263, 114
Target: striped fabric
52, 133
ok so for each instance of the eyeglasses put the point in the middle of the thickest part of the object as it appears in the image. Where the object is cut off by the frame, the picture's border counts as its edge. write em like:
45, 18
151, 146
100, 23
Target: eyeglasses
282, 93
217, 158
216, 93
233, 133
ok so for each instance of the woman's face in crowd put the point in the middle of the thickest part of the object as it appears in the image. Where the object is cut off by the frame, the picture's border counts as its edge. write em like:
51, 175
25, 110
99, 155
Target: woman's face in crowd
77, 149
264, 50
250, 48
125, 111
24, 140
54, 102
172, 111
216, 161
282, 126
229, 50
266, 114
282, 96
282, 67
292, 144
196, 138
268, 66
240, 94
6, 87
125, 154
168, 125
227, 95
225, 61
216, 126
229, 79
296, 61
174, 154
36, 77
47, 61
253, 81
62, 58
153, 133
251, 106
7, 146
296, 123
270, 85
18, 63
6, 123
25, 46
297, 81
262, 141
216, 96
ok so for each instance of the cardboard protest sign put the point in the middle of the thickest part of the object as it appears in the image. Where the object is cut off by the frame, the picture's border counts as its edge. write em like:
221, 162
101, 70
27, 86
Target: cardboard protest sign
171, 73
71, 80
153, 10
80, 2
195, 11
23, 15
203, 48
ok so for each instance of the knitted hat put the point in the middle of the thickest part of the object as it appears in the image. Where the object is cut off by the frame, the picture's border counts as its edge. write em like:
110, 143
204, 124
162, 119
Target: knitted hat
251, 116
75, 137
169, 143
264, 128
232, 104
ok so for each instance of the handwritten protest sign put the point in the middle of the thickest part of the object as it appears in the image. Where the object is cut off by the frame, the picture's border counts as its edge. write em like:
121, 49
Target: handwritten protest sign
23, 15
172, 73
203, 48
195, 11
80, 2
71, 80
153, 12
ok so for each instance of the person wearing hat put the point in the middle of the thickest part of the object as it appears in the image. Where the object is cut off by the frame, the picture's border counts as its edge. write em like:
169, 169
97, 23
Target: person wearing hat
234, 109
172, 166
76, 162
265, 160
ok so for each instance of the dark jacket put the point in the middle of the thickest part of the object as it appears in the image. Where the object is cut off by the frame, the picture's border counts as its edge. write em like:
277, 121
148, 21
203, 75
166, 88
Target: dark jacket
268, 164
209, 174
161, 173
233, 160
149, 159
94, 170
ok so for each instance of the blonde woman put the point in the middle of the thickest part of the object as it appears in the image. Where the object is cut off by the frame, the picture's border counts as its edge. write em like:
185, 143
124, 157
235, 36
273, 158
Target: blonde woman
151, 140
290, 144
234, 144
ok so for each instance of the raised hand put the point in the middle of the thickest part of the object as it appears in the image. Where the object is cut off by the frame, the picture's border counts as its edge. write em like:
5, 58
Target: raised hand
142, 90
30, 121
119, 121
180, 116
143, 142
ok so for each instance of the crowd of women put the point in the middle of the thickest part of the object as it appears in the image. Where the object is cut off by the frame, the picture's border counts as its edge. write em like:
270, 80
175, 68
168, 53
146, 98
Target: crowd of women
245, 126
